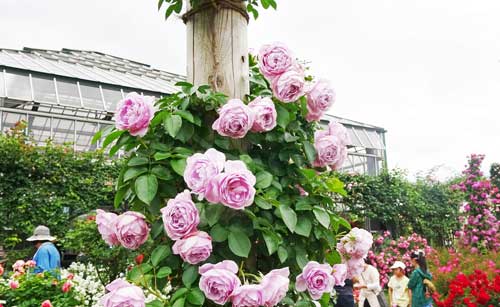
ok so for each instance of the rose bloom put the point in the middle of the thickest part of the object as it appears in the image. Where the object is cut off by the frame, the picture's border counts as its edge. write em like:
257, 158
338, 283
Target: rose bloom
274, 59
275, 285
46, 303
134, 113
1, 270
331, 146
248, 296
194, 248
66, 287
13, 284
355, 244
218, 281
234, 188
131, 229
201, 167
106, 225
316, 279
265, 114
340, 274
235, 119
289, 86
123, 294
180, 216
319, 99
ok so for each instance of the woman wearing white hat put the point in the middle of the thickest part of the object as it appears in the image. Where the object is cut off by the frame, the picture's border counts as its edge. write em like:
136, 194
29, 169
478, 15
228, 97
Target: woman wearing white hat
47, 257
399, 294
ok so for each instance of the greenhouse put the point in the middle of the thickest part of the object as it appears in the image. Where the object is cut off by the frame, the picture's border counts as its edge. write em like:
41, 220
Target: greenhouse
69, 95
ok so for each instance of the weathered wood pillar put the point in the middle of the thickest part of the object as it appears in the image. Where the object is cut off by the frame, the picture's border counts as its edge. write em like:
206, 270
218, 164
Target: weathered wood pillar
217, 46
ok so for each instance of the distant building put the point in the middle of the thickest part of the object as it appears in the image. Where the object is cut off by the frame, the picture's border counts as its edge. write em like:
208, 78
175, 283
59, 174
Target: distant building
69, 95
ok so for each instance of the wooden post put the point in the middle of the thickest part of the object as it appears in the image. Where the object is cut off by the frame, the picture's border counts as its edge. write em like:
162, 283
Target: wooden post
217, 49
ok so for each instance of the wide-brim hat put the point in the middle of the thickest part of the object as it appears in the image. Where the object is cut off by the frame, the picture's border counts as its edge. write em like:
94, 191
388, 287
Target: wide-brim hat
41, 233
398, 264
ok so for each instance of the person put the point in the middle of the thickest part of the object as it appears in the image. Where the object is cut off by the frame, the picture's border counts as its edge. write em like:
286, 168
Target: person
369, 285
47, 257
419, 297
345, 296
399, 294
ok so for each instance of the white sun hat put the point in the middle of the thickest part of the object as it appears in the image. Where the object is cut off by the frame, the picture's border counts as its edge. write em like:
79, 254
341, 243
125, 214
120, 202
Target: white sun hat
41, 233
398, 264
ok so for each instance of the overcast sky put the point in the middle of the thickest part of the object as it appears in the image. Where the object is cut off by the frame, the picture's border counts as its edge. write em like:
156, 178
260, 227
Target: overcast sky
426, 70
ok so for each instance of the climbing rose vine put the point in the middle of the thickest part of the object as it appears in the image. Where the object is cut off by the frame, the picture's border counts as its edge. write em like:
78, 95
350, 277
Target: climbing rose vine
236, 196
480, 226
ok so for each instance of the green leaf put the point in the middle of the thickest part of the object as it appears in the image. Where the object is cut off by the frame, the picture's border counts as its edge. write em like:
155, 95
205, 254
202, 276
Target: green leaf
161, 172
162, 156
137, 161
155, 303
213, 213
186, 115
301, 256
161, 252
160, 3
178, 294
289, 217
186, 132
146, 187
262, 203
190, 275
219, 233
96, 137
333, 257
304, 226
173, 124
325, 300
310, 151
164, 272
322, 216
178, 166
111, 137
283, 116
120, 195
264, 179
196, 297
336, 186
239, 243
179, 303
282, 254
304, 304
134, 172
272, 241
124, 139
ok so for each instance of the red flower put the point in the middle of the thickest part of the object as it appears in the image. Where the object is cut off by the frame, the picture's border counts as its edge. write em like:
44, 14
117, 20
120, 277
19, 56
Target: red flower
139, 259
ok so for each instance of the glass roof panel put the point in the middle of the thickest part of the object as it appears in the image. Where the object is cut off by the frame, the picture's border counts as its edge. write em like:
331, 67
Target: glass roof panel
376, 139
18, 85
68, 93
63, 130
10, 119
111, 95
2, 92
44, 88
91, 95
39, 128
355, 141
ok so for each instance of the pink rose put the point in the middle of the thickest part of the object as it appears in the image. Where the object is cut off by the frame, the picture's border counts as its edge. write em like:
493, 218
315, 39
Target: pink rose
66, 287
218, 281
355, 244
30, 263
355, 267
46, 303
316, 279
134, 113
331, 146
234, 188
235, 119
106, 225
289, 86
131, 229
1, 270
194, 248
274, 59
200, 168
265, 114
340, 274
248, 296
319, 99
180, 216
275, 285
13, 284
123, 294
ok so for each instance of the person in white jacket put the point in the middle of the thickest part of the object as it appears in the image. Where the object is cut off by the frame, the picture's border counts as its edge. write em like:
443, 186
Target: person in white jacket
368, 283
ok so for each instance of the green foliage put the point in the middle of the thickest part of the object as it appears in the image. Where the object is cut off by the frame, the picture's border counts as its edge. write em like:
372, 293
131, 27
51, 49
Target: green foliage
84, 239
48, 185
252, 6
495, 174
36, 288
282, 228
426, 207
